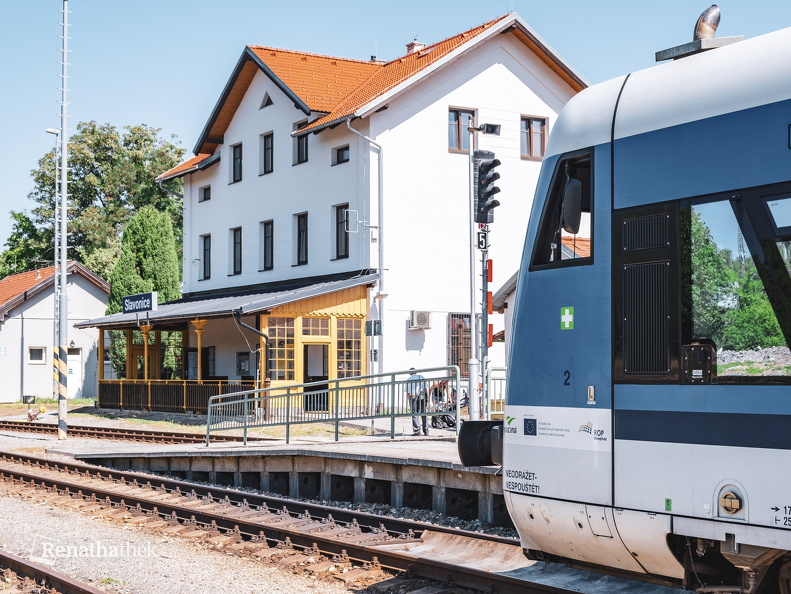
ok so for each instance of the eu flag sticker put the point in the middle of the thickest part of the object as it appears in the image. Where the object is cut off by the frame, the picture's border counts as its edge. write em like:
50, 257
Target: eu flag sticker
530, 426
567, 318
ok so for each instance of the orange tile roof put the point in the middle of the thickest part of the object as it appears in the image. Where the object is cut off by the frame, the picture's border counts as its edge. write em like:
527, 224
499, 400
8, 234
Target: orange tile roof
338, 87
315, 83
16, 288
16, 284
397, 71
578, 245
185, 167
320, 81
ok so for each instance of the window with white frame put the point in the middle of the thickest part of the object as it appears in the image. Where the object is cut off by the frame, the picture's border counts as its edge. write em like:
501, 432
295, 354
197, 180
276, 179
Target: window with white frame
37, 355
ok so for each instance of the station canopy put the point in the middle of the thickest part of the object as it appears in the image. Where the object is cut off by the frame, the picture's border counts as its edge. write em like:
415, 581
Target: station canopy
176, 314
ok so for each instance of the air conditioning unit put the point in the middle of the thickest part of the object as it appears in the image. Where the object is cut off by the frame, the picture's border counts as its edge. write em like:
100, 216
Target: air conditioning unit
419, 320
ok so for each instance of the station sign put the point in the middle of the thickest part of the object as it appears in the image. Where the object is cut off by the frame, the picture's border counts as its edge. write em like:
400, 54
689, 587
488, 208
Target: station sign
141, 302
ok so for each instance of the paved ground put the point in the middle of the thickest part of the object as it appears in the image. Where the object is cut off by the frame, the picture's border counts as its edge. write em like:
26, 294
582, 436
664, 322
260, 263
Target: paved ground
439, 446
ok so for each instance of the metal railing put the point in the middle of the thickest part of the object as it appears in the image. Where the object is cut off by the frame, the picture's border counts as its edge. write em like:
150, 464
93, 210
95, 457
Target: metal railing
495, 391
187, 396
367, 397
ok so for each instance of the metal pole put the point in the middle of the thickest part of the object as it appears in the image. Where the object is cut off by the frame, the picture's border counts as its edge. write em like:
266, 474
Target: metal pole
63, 301
55, 265
484, 328
474, 405
381, 293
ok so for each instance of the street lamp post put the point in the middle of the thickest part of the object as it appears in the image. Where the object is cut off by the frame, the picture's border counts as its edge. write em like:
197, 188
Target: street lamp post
63, 350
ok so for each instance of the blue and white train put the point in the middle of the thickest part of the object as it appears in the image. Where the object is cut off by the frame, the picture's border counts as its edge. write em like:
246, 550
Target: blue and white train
648, 420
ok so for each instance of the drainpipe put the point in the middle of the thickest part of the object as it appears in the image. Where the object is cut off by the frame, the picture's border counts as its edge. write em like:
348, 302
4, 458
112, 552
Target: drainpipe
237, 314
381, 293
171, 192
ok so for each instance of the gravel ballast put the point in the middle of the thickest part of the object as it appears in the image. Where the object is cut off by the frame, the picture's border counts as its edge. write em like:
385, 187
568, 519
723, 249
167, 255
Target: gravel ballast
124, 559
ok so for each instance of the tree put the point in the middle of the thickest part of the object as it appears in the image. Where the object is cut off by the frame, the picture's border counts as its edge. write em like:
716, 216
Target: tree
111, 176
711, 279
752, 323
148, 262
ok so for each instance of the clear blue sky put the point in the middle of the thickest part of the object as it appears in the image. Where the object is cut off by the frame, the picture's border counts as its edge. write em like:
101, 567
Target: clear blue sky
164, 63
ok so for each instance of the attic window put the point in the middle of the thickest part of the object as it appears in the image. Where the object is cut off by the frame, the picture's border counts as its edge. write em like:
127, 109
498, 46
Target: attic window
266, 102
426, 52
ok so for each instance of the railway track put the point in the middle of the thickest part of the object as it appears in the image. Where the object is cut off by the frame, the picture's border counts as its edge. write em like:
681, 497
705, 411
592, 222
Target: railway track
364, 545
44, 575
116, 433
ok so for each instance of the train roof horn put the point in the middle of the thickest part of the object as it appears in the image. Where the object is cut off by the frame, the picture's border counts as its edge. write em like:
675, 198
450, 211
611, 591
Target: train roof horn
702, 39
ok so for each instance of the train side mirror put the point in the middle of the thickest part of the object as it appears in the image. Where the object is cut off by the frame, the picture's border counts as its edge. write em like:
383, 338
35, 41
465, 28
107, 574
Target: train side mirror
572, 206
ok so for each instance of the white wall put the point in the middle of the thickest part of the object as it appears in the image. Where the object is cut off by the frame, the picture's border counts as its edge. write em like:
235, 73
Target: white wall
311, 187
31, 325
427, 190
426, 210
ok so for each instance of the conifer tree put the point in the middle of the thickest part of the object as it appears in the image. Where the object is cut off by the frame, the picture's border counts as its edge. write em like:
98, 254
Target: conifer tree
148, 262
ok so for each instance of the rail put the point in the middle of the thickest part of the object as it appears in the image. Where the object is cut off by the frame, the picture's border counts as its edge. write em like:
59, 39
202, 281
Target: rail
496, 390
367, 397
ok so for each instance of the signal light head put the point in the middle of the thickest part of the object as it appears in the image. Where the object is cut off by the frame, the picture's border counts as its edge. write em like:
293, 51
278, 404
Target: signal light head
485, 176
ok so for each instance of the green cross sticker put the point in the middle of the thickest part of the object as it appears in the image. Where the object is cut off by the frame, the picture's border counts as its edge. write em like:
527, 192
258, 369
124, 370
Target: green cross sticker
567, 318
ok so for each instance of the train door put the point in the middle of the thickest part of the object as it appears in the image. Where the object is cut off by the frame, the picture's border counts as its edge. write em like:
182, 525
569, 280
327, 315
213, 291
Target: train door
558, 414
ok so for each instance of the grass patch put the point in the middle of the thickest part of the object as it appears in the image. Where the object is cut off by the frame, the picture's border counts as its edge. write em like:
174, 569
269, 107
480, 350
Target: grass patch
49, 401
146, 423
721, 368
747, 368
311, 430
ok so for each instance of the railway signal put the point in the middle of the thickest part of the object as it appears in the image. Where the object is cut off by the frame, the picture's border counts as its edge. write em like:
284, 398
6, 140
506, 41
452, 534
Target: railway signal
484, 163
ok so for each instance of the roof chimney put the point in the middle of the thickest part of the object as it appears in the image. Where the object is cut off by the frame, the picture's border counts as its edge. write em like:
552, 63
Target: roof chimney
414, 45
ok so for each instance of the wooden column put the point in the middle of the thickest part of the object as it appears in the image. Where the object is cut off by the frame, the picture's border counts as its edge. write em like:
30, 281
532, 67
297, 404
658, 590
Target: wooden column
131, 372
199, 326
146, 330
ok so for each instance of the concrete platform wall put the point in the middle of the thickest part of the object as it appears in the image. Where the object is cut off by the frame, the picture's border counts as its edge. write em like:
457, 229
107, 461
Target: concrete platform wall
468, 493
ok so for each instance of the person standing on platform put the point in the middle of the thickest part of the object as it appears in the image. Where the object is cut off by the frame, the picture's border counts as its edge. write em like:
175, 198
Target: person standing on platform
417, 389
